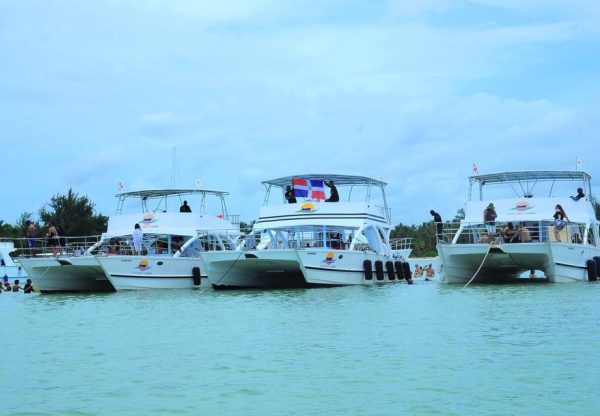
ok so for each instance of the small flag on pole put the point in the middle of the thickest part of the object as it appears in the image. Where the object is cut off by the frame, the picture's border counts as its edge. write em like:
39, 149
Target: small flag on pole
475, 170
577, 163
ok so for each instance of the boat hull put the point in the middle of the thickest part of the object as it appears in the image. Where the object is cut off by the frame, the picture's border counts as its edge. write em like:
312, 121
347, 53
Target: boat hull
66, 274
560, 262
291, 268
153, 272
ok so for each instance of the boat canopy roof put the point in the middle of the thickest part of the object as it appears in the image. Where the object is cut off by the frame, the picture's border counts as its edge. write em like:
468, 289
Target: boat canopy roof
339, 180
160, 198
531, 175
162, 193
527, 179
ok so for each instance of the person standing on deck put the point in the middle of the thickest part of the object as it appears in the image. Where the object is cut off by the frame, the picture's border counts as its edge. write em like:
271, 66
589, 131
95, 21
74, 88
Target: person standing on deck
489, 219
289, 195
31, 233
334, 197
137, 239
439, 227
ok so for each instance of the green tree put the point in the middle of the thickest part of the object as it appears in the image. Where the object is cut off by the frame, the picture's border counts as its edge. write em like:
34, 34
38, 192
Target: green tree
7, 230
423, 238
460, 215
75, 214
244, 226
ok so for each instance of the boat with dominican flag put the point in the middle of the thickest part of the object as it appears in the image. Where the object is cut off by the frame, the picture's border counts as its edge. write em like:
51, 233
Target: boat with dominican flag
303, 239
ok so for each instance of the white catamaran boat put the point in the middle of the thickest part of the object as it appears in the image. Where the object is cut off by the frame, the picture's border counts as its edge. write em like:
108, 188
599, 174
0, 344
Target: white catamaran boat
472, 253
311, 242
74, 269
171, 241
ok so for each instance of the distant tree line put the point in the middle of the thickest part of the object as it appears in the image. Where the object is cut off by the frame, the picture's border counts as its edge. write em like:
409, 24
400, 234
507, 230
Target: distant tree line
73, 212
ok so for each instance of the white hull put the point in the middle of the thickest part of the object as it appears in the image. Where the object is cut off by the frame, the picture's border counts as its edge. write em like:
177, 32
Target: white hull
66, 274
280, 268
560, 262
153, 272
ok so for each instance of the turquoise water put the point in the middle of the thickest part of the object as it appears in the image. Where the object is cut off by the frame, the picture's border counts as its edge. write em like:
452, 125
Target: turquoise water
425, 349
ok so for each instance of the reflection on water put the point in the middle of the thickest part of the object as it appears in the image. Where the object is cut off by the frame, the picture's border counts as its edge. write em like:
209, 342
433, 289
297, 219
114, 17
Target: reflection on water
428, 348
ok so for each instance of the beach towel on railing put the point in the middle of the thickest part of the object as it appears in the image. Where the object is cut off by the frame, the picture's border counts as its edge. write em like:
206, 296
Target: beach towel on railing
313, 187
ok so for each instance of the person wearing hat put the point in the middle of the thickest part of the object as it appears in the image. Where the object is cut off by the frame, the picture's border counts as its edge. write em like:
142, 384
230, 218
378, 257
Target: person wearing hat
489, 218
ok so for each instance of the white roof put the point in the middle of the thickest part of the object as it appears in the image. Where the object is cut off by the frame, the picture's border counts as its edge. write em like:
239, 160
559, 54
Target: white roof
530, 175
162, 193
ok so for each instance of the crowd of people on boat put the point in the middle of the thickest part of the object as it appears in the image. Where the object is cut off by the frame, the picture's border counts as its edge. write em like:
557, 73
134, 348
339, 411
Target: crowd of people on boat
522, 234
55, 237
519, 233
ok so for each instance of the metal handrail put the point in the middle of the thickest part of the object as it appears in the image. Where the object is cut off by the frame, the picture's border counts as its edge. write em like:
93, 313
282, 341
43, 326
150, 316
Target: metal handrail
65, 246
401, 243
539, 231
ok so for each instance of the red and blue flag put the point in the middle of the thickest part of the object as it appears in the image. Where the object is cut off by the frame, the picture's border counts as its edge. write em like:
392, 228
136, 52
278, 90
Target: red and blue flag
317, 190
300, 187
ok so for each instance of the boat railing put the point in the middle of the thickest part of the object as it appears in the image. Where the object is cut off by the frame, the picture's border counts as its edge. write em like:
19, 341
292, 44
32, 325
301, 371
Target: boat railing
400, 243
304, 238
64, 246
218, 239
539, 231
234, 219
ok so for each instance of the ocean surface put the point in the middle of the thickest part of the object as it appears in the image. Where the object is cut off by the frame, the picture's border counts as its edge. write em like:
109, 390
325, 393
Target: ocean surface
425, 349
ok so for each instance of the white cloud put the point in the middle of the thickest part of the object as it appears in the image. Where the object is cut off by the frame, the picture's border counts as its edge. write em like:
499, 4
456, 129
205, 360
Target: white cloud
94, 94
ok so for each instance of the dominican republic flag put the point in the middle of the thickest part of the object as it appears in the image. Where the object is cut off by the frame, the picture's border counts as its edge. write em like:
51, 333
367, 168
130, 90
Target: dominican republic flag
316, 189
300, 187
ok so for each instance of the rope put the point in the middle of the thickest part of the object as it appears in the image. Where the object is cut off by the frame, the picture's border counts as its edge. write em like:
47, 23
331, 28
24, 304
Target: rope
492, 244
227, 271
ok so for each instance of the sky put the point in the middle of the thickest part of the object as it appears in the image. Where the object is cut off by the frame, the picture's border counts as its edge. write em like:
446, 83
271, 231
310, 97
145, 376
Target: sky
155, 93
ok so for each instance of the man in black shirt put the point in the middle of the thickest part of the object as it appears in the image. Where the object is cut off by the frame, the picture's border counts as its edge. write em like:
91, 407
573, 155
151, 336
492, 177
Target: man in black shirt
185, 207
438, 224
334, 197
